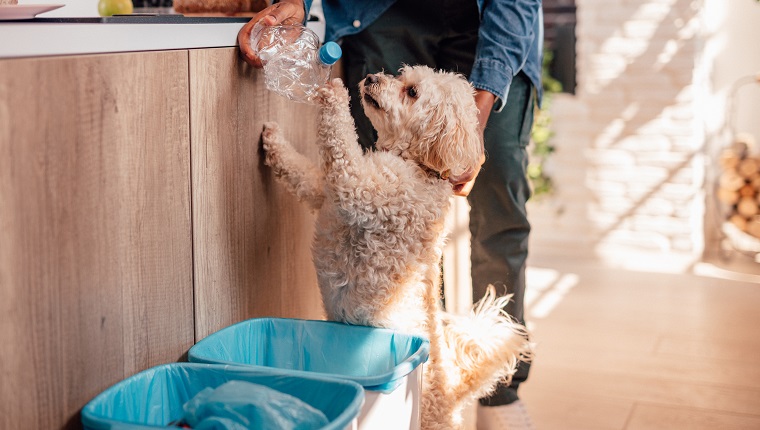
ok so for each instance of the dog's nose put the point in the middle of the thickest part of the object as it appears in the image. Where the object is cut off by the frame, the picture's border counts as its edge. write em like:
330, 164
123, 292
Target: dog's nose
369, 80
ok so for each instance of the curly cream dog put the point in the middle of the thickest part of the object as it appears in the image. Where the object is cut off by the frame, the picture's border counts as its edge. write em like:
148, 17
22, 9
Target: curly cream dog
380, 227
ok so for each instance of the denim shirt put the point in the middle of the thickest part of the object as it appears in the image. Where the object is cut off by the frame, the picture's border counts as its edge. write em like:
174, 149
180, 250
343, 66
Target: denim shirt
510, 38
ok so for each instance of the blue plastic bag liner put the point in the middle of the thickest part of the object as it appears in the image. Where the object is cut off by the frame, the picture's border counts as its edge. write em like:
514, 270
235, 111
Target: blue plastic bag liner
241, 405
155, 397
375, 358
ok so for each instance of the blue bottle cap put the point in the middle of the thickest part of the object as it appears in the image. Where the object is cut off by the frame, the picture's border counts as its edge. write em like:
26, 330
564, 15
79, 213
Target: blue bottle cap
329, 53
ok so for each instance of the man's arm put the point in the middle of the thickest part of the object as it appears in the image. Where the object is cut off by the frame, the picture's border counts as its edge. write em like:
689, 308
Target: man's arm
505, 37
463, 183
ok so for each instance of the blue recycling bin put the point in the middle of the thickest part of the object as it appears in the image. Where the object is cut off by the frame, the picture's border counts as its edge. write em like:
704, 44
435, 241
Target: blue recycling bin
375, 358
155, 397
387, 363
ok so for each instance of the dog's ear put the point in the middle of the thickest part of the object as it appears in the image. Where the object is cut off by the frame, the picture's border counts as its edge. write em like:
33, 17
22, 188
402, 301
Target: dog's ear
451, 140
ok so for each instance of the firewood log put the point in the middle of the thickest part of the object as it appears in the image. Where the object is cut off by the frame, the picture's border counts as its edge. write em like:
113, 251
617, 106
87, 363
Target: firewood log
730, 180
747, 207
747, 190
729, 160
755, 181
739, 221
727, 196
748, 167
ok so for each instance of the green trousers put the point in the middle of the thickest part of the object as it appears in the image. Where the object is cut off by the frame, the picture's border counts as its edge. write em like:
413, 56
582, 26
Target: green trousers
443, 35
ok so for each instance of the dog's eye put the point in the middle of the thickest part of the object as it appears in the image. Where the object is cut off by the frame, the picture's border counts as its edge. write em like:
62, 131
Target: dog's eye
411, 92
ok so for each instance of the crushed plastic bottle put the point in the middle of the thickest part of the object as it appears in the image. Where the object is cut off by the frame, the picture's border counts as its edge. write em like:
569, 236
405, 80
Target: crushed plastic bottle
295, 65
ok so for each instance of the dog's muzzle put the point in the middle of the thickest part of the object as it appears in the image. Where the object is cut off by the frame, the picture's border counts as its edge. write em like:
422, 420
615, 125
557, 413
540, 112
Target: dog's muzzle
370, 101
368, 83
370, 79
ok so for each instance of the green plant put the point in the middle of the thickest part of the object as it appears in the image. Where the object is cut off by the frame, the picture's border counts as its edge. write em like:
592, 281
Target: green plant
541, 134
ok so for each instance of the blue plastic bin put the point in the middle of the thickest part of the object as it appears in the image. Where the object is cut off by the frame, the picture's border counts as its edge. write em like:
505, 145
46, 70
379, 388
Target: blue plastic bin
385, 362
154, 398
375, 358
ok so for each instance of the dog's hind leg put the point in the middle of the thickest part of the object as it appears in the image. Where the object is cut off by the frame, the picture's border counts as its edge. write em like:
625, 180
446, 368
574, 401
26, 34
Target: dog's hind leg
440, 411
300, 175
486, 346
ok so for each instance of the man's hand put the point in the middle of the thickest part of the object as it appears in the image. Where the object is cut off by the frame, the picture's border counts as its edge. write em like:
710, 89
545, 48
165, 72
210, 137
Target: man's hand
463, 183
284, 12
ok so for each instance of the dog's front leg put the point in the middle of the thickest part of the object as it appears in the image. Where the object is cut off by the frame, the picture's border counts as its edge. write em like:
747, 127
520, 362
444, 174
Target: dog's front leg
300, 175
343, 161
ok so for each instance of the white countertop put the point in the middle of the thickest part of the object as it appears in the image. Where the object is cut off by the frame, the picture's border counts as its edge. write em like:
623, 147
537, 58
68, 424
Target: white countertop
26, 39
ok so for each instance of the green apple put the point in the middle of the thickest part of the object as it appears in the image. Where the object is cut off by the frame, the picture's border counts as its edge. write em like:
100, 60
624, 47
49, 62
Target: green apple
114, 7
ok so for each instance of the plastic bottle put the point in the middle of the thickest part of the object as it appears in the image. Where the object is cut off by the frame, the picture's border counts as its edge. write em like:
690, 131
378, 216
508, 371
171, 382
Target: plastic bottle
294, 63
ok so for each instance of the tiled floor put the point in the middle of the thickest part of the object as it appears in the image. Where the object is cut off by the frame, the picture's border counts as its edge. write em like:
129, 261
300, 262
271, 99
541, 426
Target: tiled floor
633, 350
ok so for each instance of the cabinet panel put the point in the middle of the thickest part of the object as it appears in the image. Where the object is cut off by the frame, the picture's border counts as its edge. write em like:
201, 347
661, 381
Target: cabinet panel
251, 238
95, 228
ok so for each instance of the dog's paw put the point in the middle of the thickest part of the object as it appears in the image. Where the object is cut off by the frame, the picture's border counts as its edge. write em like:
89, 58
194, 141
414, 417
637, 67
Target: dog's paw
270, 139
341, 92
325, 92
336, 83
333, 92
270, 133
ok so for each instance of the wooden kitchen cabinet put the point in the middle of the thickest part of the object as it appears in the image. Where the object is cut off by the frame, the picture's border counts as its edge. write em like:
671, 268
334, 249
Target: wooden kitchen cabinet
95, 244
251, 237
136, 217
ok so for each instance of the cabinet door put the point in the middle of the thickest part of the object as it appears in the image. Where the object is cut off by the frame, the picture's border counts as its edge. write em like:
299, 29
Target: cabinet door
252, 239
95, 230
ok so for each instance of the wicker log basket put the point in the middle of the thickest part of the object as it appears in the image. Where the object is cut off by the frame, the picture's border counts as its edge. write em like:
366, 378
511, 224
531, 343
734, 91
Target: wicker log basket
738, 183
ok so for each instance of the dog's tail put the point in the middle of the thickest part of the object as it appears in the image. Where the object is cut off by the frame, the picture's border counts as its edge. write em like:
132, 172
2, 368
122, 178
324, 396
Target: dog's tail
486, 346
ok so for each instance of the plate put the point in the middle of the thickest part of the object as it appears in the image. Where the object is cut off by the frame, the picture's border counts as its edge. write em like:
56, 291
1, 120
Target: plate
25, 11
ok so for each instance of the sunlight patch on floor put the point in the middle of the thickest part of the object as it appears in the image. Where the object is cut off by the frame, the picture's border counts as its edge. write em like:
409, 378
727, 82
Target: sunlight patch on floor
545, 290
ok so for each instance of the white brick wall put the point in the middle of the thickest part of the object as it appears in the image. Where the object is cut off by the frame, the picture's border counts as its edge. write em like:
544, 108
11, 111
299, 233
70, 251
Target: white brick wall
636, 146
628, 165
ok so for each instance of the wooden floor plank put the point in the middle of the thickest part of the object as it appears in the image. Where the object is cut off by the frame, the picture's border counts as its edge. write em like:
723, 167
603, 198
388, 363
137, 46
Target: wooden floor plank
582, 412
671, 367
571, 383
745, 351
655, 417
681, 347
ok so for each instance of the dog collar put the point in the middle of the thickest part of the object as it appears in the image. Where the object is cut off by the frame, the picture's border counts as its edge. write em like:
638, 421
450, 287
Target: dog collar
432, 172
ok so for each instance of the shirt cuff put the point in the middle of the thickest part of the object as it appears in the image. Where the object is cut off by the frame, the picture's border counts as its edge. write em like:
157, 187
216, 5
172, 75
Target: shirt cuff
493, 77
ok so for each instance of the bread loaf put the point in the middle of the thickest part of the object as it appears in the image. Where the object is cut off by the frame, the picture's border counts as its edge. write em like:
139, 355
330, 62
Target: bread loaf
228, 7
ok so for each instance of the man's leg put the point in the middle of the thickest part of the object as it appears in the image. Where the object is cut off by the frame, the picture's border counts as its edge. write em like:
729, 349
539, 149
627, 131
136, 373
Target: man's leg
498, 219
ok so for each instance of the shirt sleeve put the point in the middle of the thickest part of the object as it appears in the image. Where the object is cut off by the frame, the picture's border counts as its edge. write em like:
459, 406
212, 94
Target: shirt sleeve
506, 35
306, 8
